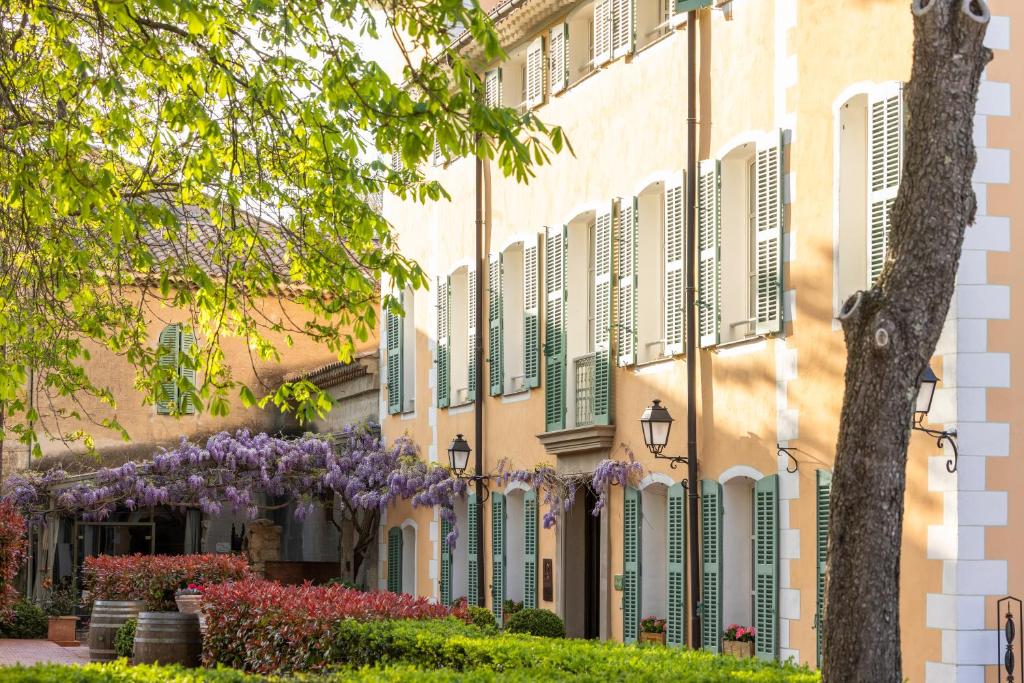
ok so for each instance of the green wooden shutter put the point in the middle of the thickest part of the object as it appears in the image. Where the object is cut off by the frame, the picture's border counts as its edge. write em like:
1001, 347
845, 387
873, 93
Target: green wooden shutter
675, 305
554, 328
602, 31
558, 62
498, 555
535, 73
170, 345
395, 560
492, 88
768, 236
709, 238
187, 372
711, 559
603, 317
496, 340
530, 549
472, 552
627, 279
446, 563
824, 499
623, 33
766, 567
394, 347
473, 331
885, 161
444, 383
531, 313
675, 623
631, 587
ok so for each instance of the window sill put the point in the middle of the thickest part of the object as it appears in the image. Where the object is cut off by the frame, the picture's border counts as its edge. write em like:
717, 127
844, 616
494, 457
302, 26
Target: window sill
670, 31
459, 408
737, 346
651, 367
578, 440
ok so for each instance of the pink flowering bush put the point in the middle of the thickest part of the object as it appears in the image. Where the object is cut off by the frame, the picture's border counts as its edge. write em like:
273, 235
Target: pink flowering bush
652, 625
744, 634
264, 627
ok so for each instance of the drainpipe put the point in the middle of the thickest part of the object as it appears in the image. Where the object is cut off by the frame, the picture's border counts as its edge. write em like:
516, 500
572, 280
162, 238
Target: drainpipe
691, 326
478, 413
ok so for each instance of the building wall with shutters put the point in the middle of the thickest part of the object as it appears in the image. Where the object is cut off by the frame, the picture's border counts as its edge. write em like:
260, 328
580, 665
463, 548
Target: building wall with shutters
780, 385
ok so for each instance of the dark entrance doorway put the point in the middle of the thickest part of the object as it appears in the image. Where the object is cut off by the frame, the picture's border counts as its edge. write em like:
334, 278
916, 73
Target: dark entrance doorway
592, 569
581, 568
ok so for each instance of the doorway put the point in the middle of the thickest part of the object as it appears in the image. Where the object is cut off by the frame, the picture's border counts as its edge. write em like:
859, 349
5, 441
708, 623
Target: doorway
581, 568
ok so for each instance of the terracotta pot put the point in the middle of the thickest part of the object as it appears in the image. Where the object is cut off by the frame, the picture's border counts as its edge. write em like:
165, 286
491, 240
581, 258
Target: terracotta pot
192, 604
61, 630
654, 638
738, 648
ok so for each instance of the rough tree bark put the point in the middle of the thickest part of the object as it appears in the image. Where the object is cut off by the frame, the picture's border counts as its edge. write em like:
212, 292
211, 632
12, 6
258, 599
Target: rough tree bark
891, 332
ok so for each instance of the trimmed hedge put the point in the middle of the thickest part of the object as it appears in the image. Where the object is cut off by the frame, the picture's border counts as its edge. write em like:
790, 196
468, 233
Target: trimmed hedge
155, 578
537, 622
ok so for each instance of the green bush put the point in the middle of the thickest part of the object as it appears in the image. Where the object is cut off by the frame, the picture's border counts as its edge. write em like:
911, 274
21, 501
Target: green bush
481, 617
537, 622
124, 639
27, 620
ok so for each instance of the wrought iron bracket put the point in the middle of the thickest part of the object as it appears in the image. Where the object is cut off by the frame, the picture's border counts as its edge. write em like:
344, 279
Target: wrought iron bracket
941, 436
674, 460
485, 484
788, 450
1008, 617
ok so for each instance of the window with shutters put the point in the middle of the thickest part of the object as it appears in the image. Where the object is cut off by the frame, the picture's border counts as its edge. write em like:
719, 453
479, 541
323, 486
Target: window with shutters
870, 148
739, 243
177, 392
653, 547
650, 275
459, 340
738, 551
654, 19
515, 550
580, 43
408, 351
460, 556
409, 559
514, 79
513, 318
583, 314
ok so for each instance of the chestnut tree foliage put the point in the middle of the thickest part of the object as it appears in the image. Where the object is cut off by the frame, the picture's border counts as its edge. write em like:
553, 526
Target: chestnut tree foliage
211, 156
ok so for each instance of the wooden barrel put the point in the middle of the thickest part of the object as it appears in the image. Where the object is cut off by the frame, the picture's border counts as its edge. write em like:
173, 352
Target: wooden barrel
168, 638
107, 617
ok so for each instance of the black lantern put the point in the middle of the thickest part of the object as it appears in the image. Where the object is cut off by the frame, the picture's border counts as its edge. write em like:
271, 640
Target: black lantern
925, 394
458, 455
656, 424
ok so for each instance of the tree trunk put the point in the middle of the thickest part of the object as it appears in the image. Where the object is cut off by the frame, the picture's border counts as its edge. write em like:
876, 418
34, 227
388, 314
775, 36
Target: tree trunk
366, 529
891, 332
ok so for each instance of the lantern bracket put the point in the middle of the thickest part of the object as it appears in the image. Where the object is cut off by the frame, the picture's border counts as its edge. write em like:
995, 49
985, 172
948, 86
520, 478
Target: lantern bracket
941, 436
788, 450
674, 460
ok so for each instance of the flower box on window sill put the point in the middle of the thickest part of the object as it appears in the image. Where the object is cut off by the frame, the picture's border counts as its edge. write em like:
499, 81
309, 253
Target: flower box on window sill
738, 648
653, 638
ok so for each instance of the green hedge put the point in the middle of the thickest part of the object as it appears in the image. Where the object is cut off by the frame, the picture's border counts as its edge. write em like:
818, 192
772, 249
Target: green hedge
537, 622
26, 620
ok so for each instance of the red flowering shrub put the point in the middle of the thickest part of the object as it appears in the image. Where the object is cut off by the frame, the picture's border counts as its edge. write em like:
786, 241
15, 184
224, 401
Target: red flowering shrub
12, 554
265, 627
155, 578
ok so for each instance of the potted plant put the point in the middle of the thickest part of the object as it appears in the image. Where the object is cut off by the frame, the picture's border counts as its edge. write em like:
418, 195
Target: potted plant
61, 622
189, 600
738, 641
510, 607
652, 630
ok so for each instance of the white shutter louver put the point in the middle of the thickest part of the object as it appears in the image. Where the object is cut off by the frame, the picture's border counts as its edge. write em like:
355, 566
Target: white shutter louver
558, 63
443, 344
535, 73
531, 312
626, 333
885, 162
769, 234
675, 309
622, 27
602, 31
473, 331
709, 238
492, 88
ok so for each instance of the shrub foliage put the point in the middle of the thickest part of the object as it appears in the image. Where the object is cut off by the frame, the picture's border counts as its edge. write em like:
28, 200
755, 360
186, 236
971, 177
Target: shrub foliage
124, 639
12, 553
155, 578
537, 622
24, 620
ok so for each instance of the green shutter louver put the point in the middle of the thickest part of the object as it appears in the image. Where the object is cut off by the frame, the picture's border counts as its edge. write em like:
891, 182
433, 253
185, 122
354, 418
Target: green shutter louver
885, 163
627, 279
446, 564
558, 62
393, 333
623, 33
531, 313
444, 349
766, 567
395, 560
709, 238
554, 332
768, 236
535, 73
675, 623
471, 355
602, 31
530, 549
603, 317
498, 572
187, 372
631, 588
170, 345
492, 88
675, 304
496, 339
824, 500
711, 560
472, 551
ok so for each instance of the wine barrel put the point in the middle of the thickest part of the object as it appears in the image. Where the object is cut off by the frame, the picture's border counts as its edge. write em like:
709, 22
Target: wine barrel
107, 617
168, 638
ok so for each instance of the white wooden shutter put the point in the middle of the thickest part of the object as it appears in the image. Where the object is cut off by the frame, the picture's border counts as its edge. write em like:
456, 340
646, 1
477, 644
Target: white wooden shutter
709, 238
769, 234
558, 62
675, 306
885, 163
602, 31
473, 332
554, 327
602, 401
622, 27
627, 280
492, 88
535, 73
531, 312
